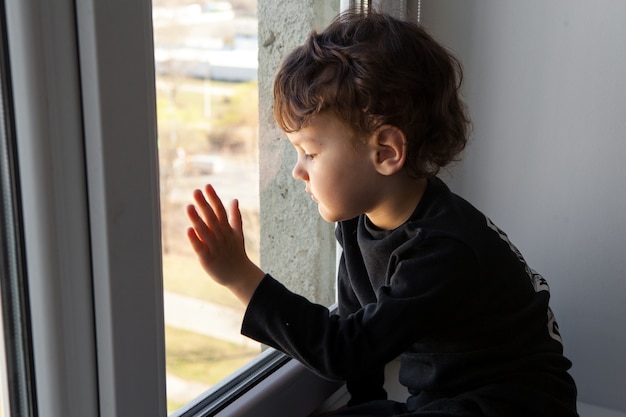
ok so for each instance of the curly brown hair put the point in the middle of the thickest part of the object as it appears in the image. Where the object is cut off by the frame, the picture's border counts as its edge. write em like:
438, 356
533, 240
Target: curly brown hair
372, 69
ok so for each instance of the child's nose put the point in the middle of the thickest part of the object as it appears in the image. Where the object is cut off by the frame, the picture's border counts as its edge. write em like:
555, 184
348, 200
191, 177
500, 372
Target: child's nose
298, 172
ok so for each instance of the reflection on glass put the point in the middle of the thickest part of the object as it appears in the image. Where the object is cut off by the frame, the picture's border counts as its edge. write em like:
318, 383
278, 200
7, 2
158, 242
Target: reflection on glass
206, 76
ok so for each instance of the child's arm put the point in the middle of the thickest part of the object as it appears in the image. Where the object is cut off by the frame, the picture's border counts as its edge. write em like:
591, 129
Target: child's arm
217, 239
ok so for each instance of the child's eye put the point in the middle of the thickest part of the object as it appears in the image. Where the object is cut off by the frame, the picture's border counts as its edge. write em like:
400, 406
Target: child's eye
309, 156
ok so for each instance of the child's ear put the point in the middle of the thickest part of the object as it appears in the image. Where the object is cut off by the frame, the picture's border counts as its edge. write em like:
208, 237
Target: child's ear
390, 148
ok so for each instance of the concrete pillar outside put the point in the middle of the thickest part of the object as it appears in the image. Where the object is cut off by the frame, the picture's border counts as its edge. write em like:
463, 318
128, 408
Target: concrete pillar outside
297, 245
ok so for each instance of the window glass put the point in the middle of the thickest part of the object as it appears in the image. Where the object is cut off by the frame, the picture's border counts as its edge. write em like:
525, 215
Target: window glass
207, 110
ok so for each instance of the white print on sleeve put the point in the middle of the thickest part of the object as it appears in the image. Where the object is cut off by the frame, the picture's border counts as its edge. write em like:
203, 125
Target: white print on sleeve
539, 282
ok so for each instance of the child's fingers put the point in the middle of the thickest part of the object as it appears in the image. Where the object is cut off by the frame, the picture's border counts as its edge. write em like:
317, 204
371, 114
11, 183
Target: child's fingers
208, 213
235, 220
204, 235
216, 203
197, 245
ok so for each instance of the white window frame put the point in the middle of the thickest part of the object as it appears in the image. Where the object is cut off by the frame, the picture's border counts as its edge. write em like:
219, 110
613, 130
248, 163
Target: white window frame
85, 122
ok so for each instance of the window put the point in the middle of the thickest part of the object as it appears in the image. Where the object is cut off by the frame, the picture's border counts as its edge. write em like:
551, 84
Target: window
207, 106
208, 120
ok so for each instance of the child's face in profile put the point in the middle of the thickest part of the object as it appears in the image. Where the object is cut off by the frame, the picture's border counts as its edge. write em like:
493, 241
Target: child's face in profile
336, 167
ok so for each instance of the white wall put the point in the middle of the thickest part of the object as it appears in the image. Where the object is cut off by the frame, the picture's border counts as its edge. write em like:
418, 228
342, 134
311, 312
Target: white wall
546, 87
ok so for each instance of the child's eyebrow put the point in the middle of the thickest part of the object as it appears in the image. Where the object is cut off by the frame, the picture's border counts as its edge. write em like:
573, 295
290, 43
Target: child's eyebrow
303, 138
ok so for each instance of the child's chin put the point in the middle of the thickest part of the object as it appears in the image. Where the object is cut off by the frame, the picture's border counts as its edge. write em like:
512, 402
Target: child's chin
330, 217
325, 215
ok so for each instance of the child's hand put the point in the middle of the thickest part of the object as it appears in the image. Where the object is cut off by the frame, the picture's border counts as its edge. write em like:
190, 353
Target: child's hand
217, 239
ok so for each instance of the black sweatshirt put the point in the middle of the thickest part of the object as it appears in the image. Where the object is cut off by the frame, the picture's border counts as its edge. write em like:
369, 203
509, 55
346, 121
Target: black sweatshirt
447, 292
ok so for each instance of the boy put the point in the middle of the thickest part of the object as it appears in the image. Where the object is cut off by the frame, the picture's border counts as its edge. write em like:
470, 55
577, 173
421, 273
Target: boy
371, 106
